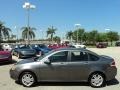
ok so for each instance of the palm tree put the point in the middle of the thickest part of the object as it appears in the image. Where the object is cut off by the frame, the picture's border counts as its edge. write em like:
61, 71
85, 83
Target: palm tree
4, 31
51, 32
70, 35
25, 32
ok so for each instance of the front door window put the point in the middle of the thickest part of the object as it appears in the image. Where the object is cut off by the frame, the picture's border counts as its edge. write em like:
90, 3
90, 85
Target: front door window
59, 57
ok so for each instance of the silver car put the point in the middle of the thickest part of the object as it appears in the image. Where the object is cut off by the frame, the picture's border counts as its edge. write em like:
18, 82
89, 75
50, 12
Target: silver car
66, 65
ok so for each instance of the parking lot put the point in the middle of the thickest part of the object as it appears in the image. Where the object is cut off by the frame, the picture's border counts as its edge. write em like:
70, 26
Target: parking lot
6, 83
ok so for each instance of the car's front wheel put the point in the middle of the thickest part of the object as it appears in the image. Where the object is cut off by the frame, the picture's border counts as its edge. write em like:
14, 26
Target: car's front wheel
97, 80
27, 79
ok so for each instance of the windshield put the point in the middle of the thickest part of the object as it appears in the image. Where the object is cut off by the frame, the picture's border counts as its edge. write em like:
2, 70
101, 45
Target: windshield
24, 47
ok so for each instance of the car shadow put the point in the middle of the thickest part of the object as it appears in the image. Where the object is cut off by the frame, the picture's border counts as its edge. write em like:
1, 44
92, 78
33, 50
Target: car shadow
7, 63
112, 82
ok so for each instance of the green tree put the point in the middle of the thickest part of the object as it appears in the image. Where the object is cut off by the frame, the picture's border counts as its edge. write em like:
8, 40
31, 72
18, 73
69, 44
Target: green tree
112, 36
51, 32
69, 35
4, 32
56, 39
93, 36
25, 32
13, 37
85, 37
80, 33
102, 37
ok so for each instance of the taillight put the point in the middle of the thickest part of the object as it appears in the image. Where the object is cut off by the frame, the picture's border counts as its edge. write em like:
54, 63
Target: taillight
113, 64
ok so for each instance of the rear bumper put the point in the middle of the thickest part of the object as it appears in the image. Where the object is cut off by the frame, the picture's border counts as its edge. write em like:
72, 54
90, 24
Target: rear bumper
111, 73
6, 59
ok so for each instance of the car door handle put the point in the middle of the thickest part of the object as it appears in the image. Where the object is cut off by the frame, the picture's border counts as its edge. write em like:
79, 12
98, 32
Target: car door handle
62, 63
85, 63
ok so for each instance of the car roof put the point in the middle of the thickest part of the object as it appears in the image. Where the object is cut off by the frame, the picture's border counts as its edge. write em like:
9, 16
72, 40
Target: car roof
76, 49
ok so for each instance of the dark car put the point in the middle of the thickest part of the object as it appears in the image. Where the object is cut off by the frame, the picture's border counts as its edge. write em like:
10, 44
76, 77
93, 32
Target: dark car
43, 48
117, 43
102, 45
66, 65
23, 51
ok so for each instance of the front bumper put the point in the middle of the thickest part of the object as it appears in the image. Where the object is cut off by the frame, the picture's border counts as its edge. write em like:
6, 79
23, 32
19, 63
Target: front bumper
13, 74
27, 55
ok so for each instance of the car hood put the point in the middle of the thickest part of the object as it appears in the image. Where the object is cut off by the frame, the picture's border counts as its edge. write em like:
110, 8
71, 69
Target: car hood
24, 61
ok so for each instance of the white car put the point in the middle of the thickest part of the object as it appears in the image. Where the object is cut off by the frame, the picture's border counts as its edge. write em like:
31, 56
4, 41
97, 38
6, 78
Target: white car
6, 47
78, 46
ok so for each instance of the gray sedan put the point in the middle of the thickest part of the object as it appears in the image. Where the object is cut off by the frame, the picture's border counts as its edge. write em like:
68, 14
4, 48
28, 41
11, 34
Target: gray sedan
66, 65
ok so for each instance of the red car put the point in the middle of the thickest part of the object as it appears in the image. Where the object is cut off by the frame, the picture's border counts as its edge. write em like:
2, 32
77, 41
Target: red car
55, 46
101, 45
5, 56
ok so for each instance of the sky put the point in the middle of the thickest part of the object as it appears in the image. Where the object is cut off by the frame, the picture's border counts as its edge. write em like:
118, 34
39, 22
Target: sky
62, 14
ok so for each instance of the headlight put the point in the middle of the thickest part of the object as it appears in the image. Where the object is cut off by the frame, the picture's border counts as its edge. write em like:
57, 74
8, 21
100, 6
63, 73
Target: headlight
13, 67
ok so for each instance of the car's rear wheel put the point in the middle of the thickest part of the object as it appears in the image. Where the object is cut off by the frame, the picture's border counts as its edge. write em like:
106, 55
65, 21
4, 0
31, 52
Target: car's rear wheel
27, 79
97, 80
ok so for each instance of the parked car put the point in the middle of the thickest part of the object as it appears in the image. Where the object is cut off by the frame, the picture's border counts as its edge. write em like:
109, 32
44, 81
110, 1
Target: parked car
102, 45
56, 46
65, 65
44, 48
41, 49
77, 46
5, 56
117, 43
6, 47
23, 51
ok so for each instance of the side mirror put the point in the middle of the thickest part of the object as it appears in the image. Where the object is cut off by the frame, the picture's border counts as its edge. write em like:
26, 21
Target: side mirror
47, 62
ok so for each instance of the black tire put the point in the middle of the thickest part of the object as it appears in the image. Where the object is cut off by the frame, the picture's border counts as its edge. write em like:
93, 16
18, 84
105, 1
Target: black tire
25, 83
98, 82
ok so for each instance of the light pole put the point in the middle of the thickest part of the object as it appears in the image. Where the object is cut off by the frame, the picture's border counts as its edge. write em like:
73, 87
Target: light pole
77, 27
16, 33
28, 6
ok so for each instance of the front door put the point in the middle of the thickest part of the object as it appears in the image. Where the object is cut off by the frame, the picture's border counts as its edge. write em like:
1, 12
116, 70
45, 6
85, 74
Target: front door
57, 70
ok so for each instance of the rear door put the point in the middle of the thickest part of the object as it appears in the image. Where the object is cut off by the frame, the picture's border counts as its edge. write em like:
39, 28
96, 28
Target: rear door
78, 66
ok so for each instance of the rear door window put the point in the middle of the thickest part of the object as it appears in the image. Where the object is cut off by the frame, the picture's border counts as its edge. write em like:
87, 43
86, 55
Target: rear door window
77, 56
